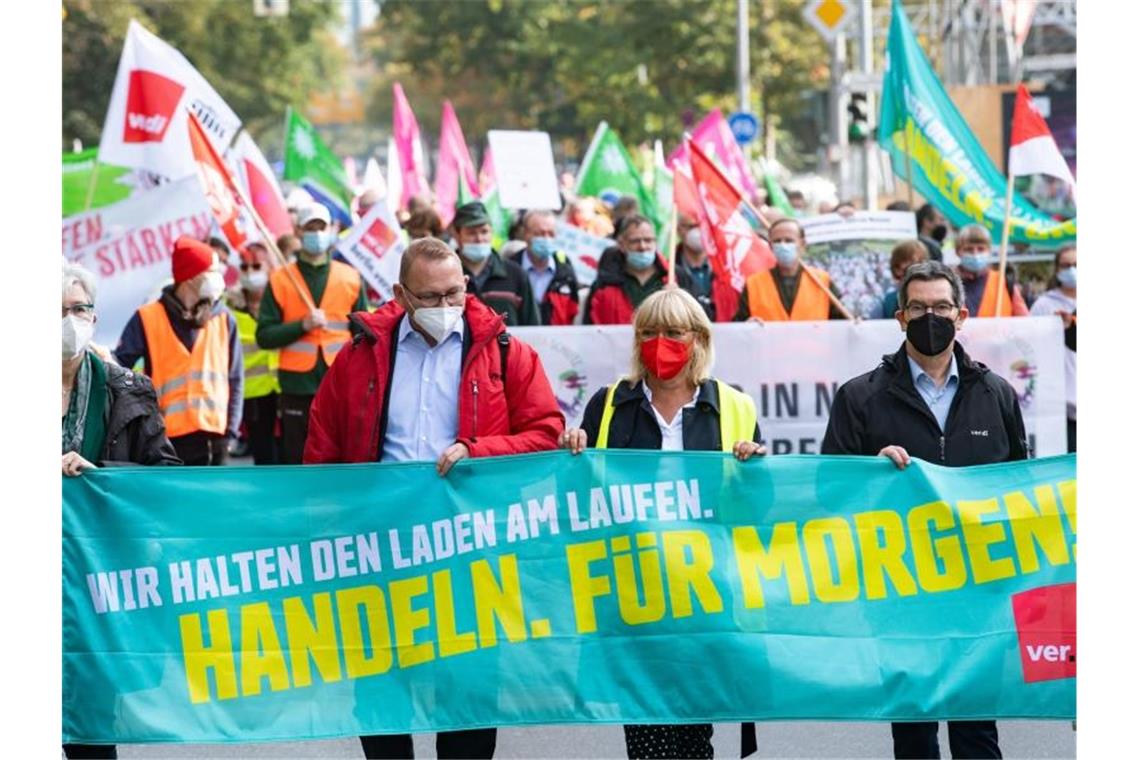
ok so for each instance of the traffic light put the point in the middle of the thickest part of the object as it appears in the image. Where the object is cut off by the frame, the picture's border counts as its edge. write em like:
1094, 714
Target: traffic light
857, 127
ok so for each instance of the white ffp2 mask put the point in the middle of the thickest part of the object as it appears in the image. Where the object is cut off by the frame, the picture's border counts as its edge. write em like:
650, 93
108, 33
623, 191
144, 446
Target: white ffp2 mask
76, 336
438, 321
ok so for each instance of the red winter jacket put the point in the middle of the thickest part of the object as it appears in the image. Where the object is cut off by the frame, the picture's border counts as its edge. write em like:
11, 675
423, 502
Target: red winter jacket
348, 419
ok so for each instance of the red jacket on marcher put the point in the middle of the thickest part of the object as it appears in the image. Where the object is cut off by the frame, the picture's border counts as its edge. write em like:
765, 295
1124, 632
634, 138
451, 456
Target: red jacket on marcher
348, 418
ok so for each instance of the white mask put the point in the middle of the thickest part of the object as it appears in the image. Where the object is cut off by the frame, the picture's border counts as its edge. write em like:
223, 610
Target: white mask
76, 336
693, 240
255, 280
212, 287
438, 321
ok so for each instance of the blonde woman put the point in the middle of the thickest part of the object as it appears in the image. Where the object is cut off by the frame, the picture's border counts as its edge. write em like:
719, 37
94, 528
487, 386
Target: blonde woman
670, 403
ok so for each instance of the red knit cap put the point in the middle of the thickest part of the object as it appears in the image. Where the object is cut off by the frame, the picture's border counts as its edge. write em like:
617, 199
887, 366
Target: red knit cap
190, 258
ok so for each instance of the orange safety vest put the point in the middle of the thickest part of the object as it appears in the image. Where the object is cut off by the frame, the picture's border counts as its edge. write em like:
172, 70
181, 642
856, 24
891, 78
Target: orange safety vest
988, 307
764, 298
193, 387
337, 302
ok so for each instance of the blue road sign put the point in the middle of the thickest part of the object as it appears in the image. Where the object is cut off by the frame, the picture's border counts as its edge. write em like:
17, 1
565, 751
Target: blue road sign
745, 127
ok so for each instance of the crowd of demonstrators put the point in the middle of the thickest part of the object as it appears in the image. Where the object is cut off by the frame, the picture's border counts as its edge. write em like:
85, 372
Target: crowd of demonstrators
785, 293
1061, 300
930, 400
553, 281
628, 274
670, 402
190, 348
304, 314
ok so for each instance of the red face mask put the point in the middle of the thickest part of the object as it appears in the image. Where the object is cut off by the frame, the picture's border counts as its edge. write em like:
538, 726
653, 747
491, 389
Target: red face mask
665, 357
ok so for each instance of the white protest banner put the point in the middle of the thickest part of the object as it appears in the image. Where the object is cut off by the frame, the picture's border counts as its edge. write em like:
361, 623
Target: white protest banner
524, 169
793, 369
585, 250
145, 125
374, 246
861, 225
127, 245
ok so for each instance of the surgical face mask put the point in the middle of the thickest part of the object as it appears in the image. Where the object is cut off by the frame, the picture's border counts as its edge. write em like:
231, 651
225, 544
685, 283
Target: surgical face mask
255, 280
317, 242
1067, 277
693, 240
212, 287
641, 260
542, 247
438, 321
476, 251
76, 336
975, 262
786, 253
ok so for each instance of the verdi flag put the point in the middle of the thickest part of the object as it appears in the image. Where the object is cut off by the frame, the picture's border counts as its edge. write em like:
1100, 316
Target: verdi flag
218, 184
948, 166
112, 183
410, 149
310, 162
607, 172
715, 138
552, 589
455, 165
260, 184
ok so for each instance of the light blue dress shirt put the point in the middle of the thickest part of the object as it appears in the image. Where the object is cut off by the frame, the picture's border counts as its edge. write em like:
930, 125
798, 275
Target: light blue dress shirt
540, 279
938, 399
423, 406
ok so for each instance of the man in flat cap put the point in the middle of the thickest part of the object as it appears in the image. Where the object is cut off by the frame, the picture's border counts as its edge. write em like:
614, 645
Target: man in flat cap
500, 284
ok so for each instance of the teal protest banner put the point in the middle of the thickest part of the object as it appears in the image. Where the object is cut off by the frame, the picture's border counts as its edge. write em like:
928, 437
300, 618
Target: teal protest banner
949, 167
242, 604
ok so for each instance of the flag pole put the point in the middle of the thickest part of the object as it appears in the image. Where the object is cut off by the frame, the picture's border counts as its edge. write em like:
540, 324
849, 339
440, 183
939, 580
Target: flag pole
671, 239
1003, 251
91, 184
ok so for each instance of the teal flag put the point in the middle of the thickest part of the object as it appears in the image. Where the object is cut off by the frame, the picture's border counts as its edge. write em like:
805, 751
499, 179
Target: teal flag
608, 172
948, 165
311, 163
262, 603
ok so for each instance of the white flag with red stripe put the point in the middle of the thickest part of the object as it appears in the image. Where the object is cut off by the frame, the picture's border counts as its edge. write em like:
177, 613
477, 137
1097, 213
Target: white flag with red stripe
1032, 149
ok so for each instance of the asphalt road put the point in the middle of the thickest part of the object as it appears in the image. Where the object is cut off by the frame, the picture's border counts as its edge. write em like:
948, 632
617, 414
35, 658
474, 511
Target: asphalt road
1019, 739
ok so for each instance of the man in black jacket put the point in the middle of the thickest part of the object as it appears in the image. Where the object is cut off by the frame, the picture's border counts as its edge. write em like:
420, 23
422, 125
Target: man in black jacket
499, 283
930, 400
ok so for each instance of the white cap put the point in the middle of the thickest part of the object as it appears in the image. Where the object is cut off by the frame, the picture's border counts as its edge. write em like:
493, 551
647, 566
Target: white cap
298, 198
311, 212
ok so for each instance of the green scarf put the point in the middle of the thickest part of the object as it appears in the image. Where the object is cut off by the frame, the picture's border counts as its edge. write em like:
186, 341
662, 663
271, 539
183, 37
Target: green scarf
84, 426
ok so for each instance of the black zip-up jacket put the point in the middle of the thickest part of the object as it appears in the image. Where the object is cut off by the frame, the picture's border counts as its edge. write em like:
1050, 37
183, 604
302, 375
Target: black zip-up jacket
136, 433
883, 408
506, 290
634, 426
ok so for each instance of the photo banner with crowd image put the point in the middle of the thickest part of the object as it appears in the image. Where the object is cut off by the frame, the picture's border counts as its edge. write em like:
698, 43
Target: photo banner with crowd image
609, 587
793, 369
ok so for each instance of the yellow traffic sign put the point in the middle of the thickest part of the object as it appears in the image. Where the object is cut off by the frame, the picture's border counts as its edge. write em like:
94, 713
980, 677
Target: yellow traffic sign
829, 17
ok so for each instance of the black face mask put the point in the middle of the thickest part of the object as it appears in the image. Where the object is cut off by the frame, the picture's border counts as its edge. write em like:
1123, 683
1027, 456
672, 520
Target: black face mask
930, 334
939, 232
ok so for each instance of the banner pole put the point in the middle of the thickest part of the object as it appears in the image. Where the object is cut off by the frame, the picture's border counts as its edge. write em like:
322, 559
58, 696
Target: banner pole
91, 185
1003, 251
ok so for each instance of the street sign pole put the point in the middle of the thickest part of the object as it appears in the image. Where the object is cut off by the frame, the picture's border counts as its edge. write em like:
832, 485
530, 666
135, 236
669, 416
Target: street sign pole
743, 96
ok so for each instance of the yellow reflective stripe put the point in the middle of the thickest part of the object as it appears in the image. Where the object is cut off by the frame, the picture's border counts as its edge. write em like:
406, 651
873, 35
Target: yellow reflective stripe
737, 416
607, 417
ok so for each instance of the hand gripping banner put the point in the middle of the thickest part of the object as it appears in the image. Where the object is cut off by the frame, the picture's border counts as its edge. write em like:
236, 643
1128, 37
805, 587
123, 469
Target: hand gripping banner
243, 604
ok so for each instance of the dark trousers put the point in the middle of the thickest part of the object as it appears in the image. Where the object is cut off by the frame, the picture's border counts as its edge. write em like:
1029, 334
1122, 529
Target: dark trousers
90, 751
294, 426
260, 416
474, 743
968, 739
200, 449
1071, 432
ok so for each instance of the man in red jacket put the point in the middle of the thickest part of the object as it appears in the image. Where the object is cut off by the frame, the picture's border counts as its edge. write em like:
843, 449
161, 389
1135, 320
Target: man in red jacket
432, 375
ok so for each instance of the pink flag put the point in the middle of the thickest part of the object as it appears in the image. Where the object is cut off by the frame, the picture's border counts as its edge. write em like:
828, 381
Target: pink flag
486, 173
408, 146
714, 137
454, 161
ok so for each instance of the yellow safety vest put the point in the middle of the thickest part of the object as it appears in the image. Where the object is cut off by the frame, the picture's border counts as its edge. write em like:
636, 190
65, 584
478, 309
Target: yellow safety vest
260, 363
737, 416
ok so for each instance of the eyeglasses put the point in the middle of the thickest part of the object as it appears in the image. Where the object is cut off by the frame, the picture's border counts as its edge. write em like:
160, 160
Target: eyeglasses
453, 297
673, 333
914, 309
81, 310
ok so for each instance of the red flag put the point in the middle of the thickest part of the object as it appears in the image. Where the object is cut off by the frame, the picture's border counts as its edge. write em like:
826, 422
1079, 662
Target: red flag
737, 249
1032, 149
218, 185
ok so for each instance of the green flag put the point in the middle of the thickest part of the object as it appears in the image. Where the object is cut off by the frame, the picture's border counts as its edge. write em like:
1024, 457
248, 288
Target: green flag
947, 163
78, 171
776, 197
608, 172
310, 162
